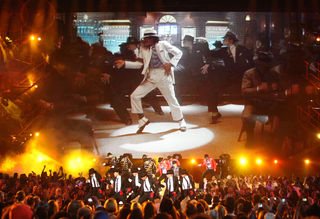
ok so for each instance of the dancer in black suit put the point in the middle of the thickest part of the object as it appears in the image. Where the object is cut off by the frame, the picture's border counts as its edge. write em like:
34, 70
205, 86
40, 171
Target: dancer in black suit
228, 66
172, 186
147, 189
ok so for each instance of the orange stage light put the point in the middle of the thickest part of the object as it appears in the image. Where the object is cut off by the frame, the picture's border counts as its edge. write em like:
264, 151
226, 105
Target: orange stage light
32, 37
258, 161
243, 161
307, 161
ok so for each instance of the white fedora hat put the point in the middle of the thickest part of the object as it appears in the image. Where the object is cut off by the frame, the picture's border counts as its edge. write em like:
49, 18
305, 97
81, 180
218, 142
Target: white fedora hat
150, 33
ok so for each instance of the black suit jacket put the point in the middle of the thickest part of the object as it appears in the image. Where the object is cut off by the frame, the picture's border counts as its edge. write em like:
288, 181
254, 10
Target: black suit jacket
123, 184
191, 181
152, 185
243, 60
133, 185
175, 185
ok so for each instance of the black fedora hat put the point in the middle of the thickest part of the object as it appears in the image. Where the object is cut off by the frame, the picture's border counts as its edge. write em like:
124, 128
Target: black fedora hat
188, 38
183, 172
169, 172
134, 170
115, 170
143, 173
132, 40
217, 43
231, 36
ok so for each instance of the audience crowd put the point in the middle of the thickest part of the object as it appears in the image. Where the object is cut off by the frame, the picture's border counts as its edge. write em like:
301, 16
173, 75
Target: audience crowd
57, 195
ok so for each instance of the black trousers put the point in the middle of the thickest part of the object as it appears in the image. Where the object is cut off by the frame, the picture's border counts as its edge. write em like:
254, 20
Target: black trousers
187, 192
218, 82
132, 196
120, 197
249, 125
173, 195
208, 171
146, 196
95, 192
119, 103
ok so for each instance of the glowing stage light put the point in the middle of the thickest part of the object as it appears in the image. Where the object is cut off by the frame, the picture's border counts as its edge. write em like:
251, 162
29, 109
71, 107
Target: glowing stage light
193, 161
243, 161
79, 161
7, 165
258, 161
39, 38
318, 135
30, 134
318, 39
32, 38
35, 86
40, 158
37, 134
307, 161
275, 161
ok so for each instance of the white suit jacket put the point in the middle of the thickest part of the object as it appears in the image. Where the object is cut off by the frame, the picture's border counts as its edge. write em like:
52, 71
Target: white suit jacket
163, 49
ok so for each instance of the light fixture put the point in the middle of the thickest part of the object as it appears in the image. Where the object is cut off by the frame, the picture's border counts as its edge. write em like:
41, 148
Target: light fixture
307, 161
218, 22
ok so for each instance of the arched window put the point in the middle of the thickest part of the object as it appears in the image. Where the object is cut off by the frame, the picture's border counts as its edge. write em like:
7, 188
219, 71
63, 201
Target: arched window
167, 19
168, 29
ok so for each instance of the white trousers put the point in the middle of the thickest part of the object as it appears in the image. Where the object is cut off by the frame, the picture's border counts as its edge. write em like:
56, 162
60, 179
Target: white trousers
156, 79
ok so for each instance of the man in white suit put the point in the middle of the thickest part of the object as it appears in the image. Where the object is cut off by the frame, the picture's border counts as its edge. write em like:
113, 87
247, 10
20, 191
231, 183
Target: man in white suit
158, 73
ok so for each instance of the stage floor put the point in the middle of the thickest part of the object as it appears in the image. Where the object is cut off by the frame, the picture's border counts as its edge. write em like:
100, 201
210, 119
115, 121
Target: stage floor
162, 136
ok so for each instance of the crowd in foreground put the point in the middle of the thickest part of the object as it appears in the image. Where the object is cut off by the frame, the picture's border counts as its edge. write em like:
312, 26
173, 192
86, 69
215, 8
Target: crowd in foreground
134, 193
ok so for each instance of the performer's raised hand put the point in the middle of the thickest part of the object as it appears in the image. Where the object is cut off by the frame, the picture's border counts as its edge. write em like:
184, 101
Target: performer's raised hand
119, 63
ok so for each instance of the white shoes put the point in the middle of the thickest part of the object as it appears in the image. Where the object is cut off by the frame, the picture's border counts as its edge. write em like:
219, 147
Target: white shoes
142, 123
183, 125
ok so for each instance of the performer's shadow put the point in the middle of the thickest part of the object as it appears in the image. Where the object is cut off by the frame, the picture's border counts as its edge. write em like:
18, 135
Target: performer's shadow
144, 137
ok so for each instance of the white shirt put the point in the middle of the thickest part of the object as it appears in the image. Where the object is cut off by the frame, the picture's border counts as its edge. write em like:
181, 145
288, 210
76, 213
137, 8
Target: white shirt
170, 184
205, 186
147, 186
136, 180
94, 181
233, 52
186, 183
208, 163
117, 184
